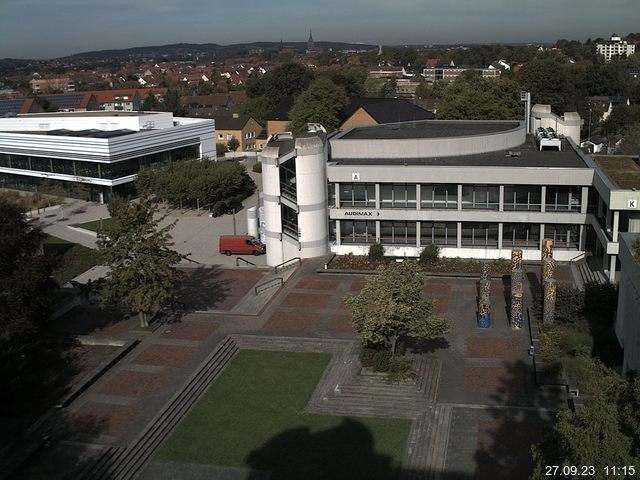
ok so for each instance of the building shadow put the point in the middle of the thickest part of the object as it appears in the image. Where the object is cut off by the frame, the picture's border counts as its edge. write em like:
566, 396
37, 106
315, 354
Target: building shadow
345, 452
505, 438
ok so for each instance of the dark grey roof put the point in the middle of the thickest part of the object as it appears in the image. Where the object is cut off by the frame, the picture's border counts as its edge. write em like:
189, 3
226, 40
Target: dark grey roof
11, 105
229, 122
428, 129
529, 156
65, 101
91, 133
389, 110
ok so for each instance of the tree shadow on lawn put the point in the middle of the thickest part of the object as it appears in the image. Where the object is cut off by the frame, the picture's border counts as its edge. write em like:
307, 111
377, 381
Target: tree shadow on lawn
343, 452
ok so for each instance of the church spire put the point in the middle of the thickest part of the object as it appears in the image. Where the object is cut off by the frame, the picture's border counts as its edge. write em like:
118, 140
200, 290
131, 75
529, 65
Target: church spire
310, 42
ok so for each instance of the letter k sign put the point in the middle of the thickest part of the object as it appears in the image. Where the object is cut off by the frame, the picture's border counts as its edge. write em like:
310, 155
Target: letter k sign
632, 204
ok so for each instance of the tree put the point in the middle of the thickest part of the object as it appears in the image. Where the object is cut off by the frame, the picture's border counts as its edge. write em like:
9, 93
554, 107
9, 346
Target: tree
150, 103
323, 102
631, 142
590, 437
233, 144
470, 97
142, 272
391, 306
549, 82
25, 289
287, 79
220, 149
257, 107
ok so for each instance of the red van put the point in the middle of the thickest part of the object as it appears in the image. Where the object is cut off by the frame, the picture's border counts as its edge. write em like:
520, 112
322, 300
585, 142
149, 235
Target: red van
241, 244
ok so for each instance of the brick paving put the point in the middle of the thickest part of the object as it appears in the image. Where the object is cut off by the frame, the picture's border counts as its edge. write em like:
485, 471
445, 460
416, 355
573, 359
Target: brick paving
134, 384
188, 330
484, 393
292, 322
164, 355
306, 300
491, 347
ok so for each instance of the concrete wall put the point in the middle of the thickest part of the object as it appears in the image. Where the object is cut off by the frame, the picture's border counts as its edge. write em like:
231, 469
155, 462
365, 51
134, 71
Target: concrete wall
428, 147
567, 125
627, 324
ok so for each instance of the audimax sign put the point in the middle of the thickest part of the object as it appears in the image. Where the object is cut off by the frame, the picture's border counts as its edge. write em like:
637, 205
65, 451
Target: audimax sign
361, 213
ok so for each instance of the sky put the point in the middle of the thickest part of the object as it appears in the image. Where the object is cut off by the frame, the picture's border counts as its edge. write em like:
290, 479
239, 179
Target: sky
54, 28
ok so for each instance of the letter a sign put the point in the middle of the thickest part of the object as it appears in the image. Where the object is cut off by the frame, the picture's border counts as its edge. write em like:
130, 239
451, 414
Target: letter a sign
355, 177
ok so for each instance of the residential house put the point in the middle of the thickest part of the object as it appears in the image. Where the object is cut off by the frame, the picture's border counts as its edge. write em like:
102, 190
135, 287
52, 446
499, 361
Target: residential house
363, 111
241, 127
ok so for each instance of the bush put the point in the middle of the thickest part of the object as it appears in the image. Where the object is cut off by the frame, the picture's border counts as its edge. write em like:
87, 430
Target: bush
376, 359
219, 208
257, 167
400, 369
430, 254
376, 252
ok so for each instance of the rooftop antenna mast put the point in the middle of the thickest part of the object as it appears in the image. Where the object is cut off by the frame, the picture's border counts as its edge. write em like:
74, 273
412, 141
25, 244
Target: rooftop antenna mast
526, 98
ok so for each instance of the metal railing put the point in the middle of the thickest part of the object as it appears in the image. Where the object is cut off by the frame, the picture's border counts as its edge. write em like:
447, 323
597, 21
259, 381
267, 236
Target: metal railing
274, 282
579, 257
245, 262
288, 264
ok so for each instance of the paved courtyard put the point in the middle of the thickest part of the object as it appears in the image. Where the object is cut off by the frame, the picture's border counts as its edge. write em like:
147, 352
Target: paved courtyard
485, 382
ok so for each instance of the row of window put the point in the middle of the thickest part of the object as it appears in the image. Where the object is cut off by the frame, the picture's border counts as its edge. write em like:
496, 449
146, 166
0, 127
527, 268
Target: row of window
445, 196
107, 171
525, 235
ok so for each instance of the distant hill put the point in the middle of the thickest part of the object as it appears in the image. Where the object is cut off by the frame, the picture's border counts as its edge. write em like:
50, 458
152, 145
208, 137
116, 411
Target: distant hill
191, 49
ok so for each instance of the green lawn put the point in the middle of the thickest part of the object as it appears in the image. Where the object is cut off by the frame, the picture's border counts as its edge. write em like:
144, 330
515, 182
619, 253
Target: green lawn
71, 259
253, 417
94, 225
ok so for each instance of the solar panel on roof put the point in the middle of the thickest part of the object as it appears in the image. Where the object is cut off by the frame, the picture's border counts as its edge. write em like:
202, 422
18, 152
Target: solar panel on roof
11, 105
65, 101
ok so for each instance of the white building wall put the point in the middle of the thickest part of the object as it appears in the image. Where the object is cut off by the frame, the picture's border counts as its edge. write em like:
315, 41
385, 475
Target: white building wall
271, 196
311, 191
568, 125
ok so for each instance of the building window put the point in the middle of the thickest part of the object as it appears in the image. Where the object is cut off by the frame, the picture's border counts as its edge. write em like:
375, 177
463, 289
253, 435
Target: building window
398, 233
521, 235
220, 136
565, 237
480, 235
357, 231
331, 194
438, 233
563, 199
481, 197
523, 197
289, 221
397, 195
439, 196
229, 136
357, 195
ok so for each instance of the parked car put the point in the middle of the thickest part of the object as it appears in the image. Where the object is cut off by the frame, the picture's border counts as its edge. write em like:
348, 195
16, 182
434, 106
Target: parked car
240, 244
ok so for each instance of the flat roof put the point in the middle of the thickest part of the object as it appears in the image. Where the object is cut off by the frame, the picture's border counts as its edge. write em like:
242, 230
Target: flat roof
428, 129
525, 155
623, 171
90, 113
88, 133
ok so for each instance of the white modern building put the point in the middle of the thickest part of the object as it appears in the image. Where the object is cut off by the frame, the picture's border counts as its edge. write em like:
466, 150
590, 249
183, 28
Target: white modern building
615, 47
103, 151
477, 189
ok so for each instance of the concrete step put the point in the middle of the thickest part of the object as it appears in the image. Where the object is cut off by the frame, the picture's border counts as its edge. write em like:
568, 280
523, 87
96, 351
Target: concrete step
126, 463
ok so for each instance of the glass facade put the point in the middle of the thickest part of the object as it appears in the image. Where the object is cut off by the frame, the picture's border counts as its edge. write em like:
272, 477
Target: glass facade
357, 231
566, 237
523, 197
481, 197
403, 233
480, 235
357, 195
439, 196
563, 199
289, 221
438, 233
397, 195
108, 171
525, 235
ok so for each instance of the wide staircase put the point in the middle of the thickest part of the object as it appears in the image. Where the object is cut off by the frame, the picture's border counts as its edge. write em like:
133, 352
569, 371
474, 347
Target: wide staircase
590, 271
118, 463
